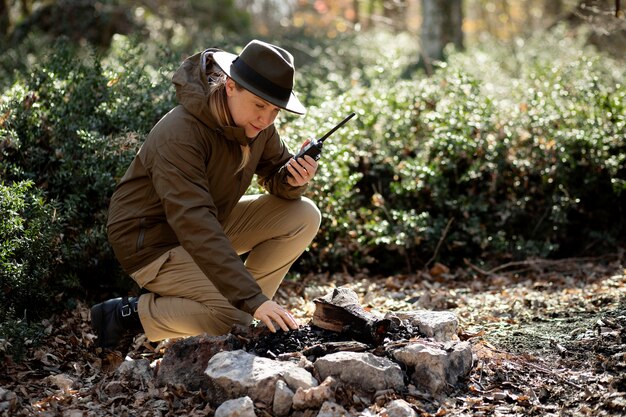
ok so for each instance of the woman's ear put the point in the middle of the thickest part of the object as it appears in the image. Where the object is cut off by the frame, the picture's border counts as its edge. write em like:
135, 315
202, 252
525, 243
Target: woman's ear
230, 86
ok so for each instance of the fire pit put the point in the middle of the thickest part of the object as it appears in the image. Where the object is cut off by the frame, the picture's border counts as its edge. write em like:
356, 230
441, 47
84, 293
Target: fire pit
344, 348
339, 323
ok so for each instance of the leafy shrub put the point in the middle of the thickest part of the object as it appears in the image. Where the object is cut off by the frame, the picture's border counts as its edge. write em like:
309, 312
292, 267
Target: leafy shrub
17, 335
496, 156
72, 126
29, 254
329, 68
562, 120
29, 232
525, 159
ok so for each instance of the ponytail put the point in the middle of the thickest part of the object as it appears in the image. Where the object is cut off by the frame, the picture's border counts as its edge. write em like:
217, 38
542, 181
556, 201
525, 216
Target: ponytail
218, 106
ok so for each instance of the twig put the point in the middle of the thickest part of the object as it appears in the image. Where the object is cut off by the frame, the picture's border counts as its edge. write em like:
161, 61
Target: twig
516, 263
538, 264
560, 348
520, 360
441, 239
551, 373
476, 268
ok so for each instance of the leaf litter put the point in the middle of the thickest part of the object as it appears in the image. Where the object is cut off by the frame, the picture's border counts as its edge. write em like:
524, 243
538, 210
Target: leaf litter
549, 339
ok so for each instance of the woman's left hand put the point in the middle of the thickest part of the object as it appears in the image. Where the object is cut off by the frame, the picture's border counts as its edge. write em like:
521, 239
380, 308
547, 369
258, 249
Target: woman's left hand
302, 170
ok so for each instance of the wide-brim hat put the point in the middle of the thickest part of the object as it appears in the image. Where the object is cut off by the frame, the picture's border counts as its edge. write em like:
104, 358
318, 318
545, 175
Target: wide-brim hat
265, 70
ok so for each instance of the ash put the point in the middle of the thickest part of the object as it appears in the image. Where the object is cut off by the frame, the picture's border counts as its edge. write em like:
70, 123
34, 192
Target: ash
309, 337
273, 344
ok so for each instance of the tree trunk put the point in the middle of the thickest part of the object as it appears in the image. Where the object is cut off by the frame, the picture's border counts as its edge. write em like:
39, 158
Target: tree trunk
442, 24
4, 18
396, 13
26, 7
553, 9
605, 20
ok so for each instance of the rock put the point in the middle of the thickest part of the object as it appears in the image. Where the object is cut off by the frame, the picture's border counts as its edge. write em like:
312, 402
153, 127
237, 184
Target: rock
314, 397
435, 365
8, 401
400, 408
284, 385
239, 407
330, 409
137, 371
185, 361
461, 360
439, 325
131, 375
238, 373
362, 370
283, 399
61, 381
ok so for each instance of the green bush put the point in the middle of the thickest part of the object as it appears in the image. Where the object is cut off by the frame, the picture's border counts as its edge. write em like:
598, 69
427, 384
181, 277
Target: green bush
29, 255
72, 126
488, 159
29, 232
506, 152
559, 126
17, 335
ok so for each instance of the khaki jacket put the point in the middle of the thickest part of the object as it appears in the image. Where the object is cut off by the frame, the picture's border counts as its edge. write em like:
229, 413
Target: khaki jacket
184, 182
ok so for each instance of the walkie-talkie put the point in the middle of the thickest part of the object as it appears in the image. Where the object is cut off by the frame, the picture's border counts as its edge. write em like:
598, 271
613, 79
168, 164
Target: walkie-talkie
314, 148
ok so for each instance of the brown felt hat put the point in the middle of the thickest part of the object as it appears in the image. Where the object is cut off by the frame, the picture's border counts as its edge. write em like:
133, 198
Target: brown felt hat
265, 70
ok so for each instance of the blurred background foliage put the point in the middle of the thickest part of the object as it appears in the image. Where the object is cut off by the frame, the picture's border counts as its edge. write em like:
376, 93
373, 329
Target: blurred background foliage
486, 131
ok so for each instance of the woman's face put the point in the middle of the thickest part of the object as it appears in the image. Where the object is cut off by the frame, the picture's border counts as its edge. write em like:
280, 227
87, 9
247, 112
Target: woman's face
249, 111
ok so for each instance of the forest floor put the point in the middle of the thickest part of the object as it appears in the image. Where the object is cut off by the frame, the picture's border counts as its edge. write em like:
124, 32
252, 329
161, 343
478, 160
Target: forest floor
549, 339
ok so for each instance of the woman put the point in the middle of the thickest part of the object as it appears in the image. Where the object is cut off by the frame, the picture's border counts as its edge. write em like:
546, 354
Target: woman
179, 219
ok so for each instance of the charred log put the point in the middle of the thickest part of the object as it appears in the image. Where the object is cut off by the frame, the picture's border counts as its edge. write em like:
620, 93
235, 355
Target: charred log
341, 312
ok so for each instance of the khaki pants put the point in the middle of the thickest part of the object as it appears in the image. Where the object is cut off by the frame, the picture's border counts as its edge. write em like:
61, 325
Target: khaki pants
184, 302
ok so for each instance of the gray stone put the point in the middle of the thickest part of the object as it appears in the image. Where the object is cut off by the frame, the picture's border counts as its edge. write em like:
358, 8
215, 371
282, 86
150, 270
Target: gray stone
138, 371
400, 408
185, 361
314, 397
239, 407
435, 365
8, 401
331, 409
362, 370
238, 373
439, 325
283, 398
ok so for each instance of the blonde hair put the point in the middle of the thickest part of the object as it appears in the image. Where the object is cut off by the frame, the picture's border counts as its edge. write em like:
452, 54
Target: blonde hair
218, 107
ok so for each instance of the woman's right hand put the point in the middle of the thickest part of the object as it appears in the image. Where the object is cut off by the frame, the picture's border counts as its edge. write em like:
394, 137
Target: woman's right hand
270, 312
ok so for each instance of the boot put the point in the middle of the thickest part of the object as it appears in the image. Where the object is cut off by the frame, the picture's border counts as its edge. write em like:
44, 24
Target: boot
114, 319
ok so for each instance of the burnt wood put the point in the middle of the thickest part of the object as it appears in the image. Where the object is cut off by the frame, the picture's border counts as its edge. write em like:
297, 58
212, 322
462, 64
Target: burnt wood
341, 312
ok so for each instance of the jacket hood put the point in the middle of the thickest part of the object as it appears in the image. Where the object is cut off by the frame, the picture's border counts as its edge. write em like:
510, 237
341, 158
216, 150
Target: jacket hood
192, 91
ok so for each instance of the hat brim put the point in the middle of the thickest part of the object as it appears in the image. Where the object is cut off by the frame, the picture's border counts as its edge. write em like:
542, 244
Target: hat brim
225, 59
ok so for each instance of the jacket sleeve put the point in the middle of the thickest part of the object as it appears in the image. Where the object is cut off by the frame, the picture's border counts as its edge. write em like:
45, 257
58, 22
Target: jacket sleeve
177, 170
272, 170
